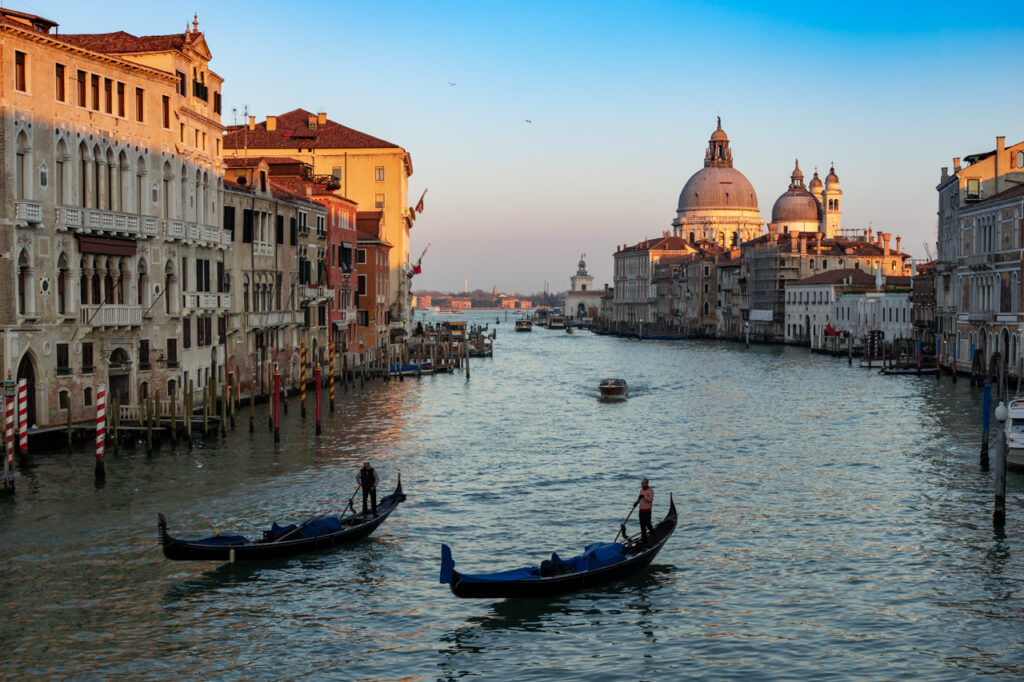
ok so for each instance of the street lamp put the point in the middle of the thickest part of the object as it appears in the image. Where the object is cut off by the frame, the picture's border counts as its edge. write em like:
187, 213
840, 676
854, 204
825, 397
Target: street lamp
10, 387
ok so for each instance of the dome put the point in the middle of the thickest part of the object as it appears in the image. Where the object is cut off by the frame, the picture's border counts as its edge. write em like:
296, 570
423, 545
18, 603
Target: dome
719, 135
815, 181
832, 178
795, 205
717, 187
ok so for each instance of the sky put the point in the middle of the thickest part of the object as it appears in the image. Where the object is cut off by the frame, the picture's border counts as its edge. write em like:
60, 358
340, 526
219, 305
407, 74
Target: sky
544, 130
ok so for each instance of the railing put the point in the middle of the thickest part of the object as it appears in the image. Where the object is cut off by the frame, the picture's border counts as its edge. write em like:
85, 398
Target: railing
207, 301
309, 293
99, 220
225, 301
271, 318
979, 260
263, 249
110, 315
189, 301
28, 212
175, 229
193, 233
980, 316
225, 239
150, 226
211, 235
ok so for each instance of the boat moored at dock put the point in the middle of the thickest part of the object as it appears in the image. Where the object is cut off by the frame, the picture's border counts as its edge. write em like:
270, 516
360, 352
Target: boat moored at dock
1015, 434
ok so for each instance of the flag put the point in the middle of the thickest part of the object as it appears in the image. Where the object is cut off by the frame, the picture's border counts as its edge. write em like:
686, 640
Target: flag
419, 204
417, 269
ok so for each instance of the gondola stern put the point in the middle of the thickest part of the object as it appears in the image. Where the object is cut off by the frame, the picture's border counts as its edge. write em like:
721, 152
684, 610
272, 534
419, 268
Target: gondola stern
671, 506
447, 565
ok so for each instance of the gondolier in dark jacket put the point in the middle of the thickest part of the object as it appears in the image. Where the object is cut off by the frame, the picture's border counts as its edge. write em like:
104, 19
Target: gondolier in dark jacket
646, 501
367, 478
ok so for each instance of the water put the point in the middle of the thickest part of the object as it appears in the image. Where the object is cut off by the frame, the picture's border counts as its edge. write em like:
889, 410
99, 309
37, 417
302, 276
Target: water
834, 525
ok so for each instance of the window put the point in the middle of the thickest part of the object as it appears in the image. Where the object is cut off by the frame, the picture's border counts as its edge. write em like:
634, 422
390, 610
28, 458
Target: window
246, 226
95, 87
179, 87
186, 332
166, 109
63, 401
108, 95
280, 229
378, 173
87, 366
216, 102
360, 256
81, 88
229, 221
361, 286
87, 396
172, 353
58, 82
63, 363
20, 76
144, 354
973, 188
378, 201
139, 101
336, 172
1020, 159
197, 137
120, 99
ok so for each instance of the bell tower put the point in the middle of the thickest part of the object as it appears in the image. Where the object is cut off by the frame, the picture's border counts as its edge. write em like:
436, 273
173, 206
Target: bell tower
830, 204
582, 281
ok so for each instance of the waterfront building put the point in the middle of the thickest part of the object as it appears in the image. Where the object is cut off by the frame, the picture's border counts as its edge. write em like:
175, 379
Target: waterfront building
729, 322
372, 172
922, 314
635, 294
665, 271
718, 203
811, 304
581, 301
373, 281
696, 289
112, 197
887, 307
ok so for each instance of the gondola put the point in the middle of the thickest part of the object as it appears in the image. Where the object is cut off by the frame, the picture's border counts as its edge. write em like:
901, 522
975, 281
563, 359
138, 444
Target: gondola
317, 533
600, 563
909, 371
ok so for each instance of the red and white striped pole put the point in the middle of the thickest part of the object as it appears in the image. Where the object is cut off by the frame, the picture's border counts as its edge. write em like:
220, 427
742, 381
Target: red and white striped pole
330, 370
8, 449
9, 419
23, 415
319, 383
302, 378
101, 430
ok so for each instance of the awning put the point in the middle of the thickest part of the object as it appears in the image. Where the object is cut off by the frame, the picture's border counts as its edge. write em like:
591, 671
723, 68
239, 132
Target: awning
108, 246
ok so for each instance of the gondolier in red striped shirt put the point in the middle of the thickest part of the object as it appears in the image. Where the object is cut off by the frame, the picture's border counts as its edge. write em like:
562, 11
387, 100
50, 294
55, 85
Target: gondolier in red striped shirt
646, 502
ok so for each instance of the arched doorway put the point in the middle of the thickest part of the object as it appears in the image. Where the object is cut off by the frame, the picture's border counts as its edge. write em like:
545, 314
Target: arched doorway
27, 372
581, 310
119, 376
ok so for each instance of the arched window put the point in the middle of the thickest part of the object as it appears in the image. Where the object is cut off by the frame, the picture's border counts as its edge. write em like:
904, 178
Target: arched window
23, 284
142, 284
63, 285
87, 396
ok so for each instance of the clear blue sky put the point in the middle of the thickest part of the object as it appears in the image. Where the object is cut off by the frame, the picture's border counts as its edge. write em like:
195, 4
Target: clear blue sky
622, 99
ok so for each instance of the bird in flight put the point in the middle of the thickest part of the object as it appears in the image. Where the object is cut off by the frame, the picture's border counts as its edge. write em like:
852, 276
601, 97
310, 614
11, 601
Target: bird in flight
528, 120
450, 83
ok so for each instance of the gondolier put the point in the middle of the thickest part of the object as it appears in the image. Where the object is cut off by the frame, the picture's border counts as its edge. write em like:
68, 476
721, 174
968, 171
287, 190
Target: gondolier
367, 478
645, 500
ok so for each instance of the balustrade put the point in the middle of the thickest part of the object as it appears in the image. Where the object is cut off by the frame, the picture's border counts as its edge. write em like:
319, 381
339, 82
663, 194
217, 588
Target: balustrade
111, 315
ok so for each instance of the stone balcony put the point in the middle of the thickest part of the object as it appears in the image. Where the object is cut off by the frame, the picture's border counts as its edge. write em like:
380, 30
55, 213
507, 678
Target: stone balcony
111, 315
980, 261
980, 316
271, 318
94, 220
28, 213
208, 300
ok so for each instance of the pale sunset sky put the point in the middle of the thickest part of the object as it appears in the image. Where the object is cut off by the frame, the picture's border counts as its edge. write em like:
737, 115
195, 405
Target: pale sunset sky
621, 99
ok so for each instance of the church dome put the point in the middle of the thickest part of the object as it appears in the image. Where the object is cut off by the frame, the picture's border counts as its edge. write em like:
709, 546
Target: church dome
796, 204
717, 187
718, 184
815, 182
832, 178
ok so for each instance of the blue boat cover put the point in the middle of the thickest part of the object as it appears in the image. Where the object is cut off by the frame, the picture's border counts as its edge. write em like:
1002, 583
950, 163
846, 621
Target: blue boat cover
218, 540
595, 555
308, 529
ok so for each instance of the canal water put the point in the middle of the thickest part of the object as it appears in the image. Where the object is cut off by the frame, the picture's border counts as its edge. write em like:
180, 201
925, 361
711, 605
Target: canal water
834, 524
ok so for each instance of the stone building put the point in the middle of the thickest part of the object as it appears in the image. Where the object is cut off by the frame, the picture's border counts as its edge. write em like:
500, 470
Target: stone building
372, 172
635, 293
111, 203
581, 302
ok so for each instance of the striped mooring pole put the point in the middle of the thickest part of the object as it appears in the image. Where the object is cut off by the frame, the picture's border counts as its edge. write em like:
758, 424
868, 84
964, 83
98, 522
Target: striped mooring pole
101, 430
330, 369
318, 389
23, 415
8, 483
302, 379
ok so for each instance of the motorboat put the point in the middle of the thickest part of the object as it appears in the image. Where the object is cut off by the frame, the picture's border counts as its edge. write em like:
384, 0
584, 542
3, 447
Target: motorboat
1015, 434
524, 326
556, 322
613, 389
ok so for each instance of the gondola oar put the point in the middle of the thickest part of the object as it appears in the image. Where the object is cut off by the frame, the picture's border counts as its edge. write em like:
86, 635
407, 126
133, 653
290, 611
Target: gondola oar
315, 518
349, 506
622, 528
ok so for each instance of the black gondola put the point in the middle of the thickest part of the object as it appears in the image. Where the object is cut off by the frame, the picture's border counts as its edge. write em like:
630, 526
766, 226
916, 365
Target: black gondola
601, 563
317, 533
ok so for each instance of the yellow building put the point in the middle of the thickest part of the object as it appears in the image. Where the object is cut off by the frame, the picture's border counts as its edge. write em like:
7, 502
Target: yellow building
111, 205
370, 171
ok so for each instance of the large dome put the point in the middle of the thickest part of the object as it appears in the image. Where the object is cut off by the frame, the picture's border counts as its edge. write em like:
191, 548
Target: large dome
795, 205
717, 187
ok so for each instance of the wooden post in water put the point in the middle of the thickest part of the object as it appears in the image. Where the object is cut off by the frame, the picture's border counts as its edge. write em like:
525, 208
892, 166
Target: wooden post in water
276, 418
187, 414
69, 425
954, 361
466, 344
302, 378
224, 407
330, 372
145, 407
999, 512
252, 403
206, 411
986, 404
174, 416
101, 432
115, 420
319, 390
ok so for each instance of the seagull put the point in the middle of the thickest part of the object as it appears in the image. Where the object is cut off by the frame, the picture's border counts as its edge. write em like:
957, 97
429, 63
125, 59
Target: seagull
528, 120
450, 83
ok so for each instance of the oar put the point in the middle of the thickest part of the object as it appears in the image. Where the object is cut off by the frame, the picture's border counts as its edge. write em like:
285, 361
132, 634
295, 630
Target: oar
315, 518
349, 505
622, 528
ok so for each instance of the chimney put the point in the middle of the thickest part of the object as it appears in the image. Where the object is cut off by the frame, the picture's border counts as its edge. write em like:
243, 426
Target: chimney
956, 164
321, 118
870, 235
271, 122
898, 240
945, 172
885, 242
1000, 150
252, 123
803, 245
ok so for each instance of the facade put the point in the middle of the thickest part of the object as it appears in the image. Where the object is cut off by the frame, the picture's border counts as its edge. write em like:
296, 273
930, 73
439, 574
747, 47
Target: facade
111, 206
730, 322
886, 308
922, 314
372, 172
811, 304
372, 287
717, 203
635, 293
581, 301
695, 293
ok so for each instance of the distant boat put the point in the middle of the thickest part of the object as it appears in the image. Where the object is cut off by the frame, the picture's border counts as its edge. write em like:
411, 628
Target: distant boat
568, 330
524, 326
556, 322
613, 389
1015, 434
909, 371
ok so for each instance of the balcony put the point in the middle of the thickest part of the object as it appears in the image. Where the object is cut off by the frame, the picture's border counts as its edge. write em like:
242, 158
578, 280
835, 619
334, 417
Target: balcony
193, 232
980, 261
28, 212
980, 316
110, 315
211, 235
271, 318
225, 301
189, 302
150, 226
262, 249
207, 301
89, 220
174, 229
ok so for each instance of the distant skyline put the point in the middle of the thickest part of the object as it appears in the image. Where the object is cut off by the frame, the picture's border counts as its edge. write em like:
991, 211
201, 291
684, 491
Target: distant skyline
545, 130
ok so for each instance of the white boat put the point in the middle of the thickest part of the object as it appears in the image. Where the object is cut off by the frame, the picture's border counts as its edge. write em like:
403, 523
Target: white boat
556, 322
1015, 434
524, 326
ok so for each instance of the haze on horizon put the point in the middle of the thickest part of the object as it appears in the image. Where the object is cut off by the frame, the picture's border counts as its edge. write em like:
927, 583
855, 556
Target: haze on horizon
543, 131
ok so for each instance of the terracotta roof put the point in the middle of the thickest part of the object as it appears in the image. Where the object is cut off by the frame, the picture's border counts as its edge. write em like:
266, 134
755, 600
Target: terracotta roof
855, 276
898, 280
253, 161
730, 263
661, 244
290, 188
120, 42
1016, 190
293, 131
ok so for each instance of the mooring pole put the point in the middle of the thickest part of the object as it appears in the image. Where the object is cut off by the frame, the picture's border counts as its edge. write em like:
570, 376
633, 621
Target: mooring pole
319, 383
954, 361
986, 404
101, 431
23, 416
302, 379
330, 371
252, 403
277, 405
999, 512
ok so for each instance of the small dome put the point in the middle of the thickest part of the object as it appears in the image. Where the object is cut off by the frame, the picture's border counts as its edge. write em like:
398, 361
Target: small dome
796, 205
719, 134
797, 173
815, 181
717, 187
583, 265
832, 178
